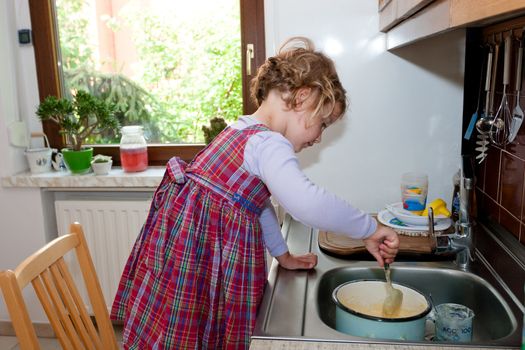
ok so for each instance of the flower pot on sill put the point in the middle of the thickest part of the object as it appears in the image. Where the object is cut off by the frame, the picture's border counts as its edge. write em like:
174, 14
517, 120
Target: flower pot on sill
78, 162
101, 168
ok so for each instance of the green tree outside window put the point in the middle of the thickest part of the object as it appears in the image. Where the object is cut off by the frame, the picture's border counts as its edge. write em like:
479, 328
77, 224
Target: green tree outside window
189, 66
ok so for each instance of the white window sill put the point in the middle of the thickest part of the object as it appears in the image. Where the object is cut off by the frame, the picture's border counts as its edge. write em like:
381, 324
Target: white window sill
116, 179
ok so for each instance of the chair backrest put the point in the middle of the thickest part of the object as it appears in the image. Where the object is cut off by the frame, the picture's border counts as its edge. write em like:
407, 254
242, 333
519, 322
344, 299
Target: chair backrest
46, 270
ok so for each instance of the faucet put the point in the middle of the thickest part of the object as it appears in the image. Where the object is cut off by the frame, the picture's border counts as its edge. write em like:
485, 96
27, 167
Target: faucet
461, 242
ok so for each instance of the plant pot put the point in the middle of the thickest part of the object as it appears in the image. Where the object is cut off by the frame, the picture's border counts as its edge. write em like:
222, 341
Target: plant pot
359, 311
101, 168
78, 162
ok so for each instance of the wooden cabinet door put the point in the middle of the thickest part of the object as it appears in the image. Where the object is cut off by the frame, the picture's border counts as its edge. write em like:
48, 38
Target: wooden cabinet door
392, 12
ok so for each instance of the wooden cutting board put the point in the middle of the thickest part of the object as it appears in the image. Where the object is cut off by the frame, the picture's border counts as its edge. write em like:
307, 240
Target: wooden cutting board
344, 245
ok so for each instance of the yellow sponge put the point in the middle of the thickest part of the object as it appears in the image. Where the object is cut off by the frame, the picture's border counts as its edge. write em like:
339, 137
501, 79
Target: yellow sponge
439, 206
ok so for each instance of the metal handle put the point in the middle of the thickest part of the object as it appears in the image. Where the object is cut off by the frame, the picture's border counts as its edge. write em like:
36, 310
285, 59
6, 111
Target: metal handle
489, 70
487, 81
506, 61
431, 221
41, 134
493, 77
249, 57
518, 67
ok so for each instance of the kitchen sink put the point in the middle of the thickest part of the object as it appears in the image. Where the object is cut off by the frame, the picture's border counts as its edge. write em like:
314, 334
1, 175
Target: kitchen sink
297, 305
493, 318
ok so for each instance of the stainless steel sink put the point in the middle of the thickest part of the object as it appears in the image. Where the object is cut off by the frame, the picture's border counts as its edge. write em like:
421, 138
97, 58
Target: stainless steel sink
493, 321
298, 305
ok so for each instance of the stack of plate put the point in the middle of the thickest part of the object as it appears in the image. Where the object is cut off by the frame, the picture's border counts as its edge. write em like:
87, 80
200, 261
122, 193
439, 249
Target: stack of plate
398, 218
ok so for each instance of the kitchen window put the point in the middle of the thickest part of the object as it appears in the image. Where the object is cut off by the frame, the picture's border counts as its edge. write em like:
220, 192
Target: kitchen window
129, 69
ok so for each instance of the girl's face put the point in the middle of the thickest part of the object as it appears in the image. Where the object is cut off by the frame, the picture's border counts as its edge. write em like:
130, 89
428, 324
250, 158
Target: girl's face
304, 132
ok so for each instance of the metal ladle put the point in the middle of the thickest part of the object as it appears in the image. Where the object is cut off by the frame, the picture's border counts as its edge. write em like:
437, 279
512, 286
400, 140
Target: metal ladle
484, 124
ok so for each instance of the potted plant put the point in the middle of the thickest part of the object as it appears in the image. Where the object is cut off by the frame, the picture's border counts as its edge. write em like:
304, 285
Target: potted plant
101, 164
83, 116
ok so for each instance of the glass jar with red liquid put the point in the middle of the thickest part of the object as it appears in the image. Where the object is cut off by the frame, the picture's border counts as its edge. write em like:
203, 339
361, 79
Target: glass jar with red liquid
133, 149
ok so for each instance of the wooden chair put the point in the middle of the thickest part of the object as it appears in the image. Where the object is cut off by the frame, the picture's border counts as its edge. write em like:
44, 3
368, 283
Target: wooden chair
56, 290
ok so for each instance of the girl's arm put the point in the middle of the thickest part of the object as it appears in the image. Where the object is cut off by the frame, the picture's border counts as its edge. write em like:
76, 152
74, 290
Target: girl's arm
273, 238
274, 241
271, 157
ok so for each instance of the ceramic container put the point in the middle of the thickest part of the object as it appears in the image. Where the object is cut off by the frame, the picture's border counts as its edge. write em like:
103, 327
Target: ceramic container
78, 162
101, 168
39, 159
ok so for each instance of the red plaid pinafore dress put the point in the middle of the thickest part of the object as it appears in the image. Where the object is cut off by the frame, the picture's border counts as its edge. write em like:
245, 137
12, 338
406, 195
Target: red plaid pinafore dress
196, 274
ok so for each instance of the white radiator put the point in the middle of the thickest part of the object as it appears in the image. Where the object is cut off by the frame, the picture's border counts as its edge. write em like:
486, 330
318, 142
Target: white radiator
111, 228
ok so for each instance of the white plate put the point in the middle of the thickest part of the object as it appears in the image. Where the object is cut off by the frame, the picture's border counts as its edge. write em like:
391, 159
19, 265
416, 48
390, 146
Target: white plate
386, 218
396, 209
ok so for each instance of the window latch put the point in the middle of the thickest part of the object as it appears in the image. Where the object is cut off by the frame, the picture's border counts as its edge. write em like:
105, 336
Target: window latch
249, 57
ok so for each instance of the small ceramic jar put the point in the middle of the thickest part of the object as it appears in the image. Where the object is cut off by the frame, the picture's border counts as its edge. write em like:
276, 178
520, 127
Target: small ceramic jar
101, 168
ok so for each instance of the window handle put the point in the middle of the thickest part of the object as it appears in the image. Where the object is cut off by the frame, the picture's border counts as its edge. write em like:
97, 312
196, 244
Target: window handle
249, 57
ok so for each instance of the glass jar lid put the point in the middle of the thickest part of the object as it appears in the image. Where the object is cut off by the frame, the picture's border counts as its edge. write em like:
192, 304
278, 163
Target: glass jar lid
132, 129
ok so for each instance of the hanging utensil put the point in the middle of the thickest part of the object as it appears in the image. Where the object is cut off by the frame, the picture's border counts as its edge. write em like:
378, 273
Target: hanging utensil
517, 114
493, 76
484, 124
499, 131
476, 115
483, 146
394, 297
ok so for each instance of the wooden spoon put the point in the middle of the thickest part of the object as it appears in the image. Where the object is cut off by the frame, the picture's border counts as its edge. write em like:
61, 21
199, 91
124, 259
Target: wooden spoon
394, 297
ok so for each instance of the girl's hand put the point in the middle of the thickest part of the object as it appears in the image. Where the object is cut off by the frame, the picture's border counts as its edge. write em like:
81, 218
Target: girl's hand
296, 262
383, 245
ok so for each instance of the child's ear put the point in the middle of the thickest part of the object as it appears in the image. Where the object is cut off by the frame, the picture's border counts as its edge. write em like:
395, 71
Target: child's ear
302, 96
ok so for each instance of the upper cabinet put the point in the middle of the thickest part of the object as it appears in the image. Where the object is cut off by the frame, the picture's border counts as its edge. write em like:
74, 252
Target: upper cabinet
406, 21
391, 12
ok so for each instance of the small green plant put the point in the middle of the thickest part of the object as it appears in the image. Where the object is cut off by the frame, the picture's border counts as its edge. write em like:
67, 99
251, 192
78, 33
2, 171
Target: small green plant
216, 126
100, 158
79, 118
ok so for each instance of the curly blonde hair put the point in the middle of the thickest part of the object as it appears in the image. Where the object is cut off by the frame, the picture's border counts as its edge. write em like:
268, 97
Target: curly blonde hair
297, 65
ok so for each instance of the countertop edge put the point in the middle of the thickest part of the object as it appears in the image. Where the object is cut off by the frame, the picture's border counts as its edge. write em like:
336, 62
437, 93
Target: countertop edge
267, 344
116, 178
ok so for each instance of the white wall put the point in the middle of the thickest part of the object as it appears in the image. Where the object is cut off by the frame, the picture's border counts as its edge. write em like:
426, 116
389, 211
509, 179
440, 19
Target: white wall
21, 216
405, 106
405, 111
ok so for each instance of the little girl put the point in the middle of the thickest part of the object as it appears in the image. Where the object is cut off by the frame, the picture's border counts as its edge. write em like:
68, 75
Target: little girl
197, 272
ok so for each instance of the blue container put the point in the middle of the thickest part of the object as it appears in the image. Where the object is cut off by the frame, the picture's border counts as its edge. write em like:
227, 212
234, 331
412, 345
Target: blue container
359, 311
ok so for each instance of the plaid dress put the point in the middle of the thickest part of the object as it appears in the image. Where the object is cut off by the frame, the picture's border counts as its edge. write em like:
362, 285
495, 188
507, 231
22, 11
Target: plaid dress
196, 274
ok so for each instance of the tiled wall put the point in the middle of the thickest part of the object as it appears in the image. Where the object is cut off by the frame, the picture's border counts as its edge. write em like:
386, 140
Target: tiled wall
500, 187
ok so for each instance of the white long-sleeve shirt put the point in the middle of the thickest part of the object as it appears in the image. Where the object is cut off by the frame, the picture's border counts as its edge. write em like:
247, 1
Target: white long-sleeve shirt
271, 157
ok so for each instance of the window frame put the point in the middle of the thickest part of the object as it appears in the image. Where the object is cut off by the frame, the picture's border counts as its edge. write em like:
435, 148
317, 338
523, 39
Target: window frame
45, 41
